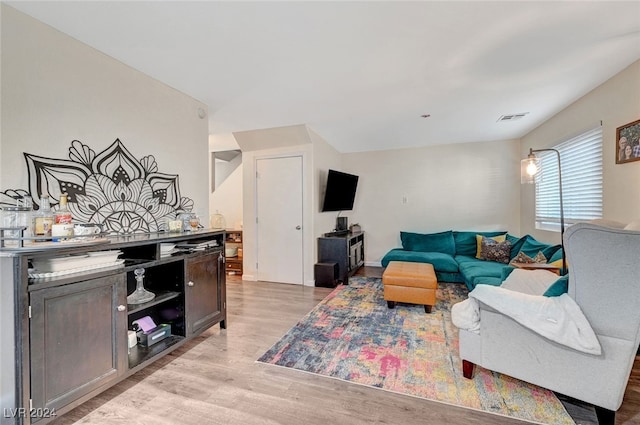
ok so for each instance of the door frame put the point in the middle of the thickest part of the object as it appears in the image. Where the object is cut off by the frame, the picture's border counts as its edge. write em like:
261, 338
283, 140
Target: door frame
307, 219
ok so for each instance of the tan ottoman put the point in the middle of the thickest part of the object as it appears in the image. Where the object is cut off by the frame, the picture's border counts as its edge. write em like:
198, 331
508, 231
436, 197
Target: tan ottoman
413, 283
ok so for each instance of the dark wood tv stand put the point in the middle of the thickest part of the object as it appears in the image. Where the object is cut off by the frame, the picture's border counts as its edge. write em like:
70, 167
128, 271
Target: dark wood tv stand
346, 250
70, 332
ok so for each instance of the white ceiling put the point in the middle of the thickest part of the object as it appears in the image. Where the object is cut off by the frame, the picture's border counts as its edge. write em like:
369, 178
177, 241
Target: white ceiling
360, 74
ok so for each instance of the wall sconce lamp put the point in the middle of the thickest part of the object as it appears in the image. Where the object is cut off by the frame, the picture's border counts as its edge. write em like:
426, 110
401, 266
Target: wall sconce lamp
529, 167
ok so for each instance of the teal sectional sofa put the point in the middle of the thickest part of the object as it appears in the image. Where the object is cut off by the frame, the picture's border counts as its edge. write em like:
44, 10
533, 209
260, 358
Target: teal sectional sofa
453, 255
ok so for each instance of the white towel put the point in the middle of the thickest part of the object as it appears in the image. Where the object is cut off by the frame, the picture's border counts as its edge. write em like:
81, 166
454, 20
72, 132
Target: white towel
559, 319
466, 315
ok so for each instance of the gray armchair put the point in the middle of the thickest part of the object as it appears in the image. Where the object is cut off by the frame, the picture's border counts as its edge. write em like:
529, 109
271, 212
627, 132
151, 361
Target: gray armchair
604, 280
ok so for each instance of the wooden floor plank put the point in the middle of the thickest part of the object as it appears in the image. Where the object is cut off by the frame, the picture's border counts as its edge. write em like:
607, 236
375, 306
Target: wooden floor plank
215, 378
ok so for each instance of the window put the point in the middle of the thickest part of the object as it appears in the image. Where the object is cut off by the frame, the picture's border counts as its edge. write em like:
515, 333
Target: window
581, 159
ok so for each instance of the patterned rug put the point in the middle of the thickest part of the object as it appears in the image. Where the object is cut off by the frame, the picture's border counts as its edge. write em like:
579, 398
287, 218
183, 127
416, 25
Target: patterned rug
353, 336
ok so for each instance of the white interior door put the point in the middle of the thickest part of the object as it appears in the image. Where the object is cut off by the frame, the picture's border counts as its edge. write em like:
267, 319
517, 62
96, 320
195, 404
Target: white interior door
279, 219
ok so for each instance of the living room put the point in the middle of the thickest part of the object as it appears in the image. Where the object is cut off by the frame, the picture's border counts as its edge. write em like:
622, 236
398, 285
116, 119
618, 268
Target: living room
56, 89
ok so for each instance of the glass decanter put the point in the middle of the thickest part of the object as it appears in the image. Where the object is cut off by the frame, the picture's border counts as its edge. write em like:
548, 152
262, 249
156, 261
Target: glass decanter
140, 295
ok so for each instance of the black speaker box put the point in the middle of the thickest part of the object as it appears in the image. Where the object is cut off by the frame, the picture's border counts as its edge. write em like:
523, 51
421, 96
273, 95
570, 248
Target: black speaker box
342, 223
326, 274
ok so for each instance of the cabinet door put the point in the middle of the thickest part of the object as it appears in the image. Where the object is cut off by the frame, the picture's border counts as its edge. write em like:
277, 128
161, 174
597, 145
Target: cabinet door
334, 250
204, 292
78, 339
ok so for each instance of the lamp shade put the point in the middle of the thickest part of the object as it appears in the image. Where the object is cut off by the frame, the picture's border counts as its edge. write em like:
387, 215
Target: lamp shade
528, 169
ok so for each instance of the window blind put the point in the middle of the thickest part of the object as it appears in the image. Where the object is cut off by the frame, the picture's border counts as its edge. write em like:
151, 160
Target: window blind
581, 159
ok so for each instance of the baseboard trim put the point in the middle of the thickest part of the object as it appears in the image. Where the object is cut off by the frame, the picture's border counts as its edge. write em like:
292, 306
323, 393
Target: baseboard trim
373, 263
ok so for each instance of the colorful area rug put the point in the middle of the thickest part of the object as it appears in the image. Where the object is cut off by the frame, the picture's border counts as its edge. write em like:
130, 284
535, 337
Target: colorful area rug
353, 336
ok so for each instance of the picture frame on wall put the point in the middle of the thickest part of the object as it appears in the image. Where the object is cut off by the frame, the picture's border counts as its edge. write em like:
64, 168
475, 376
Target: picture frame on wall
628, 143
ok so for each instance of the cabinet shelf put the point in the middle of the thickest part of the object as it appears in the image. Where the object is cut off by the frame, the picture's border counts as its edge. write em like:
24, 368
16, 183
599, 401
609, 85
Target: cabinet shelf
160, 298
140, 354
345, 250
234, 263
190, 295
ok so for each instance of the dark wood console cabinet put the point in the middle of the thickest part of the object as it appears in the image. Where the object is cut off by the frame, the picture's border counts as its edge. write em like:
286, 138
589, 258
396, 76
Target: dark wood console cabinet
347, 251
70, 331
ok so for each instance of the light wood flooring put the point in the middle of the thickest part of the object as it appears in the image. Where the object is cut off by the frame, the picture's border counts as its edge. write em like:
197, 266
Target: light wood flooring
214, 379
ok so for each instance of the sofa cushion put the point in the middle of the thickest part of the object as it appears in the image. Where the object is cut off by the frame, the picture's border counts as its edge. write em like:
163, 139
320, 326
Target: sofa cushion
486, 280
532, 247
556, 260
429, 242
477, 271
479, 238
516, 244
557, 257
475, 267
466, 244
559, 287
491, 250
441, 262
506, 272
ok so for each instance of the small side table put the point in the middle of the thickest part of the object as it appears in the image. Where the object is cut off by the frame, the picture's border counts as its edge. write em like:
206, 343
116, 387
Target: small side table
537, 266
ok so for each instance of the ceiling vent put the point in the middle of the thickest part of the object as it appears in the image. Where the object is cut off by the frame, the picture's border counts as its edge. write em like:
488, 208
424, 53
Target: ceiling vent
512, 117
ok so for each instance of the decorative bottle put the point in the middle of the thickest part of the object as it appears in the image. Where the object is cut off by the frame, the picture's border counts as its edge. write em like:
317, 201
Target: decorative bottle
140, 295
218, 221
63, 215
43, 220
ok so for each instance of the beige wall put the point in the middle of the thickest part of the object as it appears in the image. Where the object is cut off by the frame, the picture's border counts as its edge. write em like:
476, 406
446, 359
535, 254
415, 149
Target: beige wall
325, 157
616, 102
473, 186
318, 157
56, 90
227, 198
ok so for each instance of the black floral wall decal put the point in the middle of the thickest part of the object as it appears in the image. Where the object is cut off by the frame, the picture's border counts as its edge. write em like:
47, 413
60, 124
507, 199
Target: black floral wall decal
111, 188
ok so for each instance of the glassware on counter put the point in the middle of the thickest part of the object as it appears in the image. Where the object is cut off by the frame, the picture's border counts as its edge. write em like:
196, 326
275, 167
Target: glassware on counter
43, 220
218, 221
194, 222
140, 295
17, 221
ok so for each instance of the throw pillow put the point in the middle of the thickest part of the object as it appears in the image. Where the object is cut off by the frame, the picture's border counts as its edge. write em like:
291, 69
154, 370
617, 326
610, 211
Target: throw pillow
524, 258
531, 282
540, 258
429, 242
466, 243
492, 250
556, 259
634, 225
559, 287
608, 223
498, 238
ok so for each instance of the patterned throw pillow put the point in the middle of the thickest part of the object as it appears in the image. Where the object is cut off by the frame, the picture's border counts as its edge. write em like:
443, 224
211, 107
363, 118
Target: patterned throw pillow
524, 258
497, 238
540, 258
491, 250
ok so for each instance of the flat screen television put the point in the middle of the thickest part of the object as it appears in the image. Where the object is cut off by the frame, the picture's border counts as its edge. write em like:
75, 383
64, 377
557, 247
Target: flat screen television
340, 192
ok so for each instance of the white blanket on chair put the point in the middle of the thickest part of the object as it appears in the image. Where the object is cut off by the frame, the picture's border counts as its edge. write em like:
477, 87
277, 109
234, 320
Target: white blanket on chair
556, 318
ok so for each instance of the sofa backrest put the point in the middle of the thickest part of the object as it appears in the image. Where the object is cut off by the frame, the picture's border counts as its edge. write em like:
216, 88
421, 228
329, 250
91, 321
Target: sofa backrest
604, 278
466, 243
